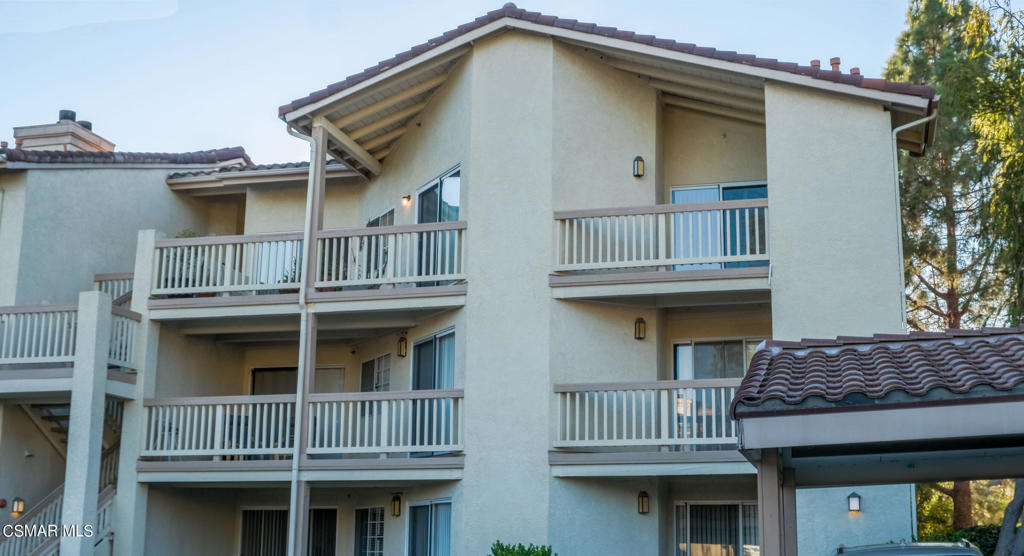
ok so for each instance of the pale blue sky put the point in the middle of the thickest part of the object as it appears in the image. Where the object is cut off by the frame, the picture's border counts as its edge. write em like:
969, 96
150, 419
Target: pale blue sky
161, 75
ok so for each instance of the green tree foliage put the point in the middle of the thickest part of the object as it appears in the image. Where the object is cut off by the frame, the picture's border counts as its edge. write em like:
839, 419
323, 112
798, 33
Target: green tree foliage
984, 537
995, 37
948, 253
501, 549
935, 507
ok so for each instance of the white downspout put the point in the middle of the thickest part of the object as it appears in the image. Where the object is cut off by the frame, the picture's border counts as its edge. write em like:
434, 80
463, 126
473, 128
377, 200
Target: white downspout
306, 237
899, 210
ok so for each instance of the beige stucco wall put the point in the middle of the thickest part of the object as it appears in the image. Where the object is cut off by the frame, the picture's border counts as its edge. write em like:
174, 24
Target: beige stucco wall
12, 212
701, 148
29, 477
601, 119
197, 366
833, 234
80, 222
282, 208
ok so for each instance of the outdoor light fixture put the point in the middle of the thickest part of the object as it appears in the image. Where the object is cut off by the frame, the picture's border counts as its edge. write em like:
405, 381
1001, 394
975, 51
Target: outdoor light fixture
396, 505
853, 500
403, 347
17, 507
643, 503
406, 200
640, 329
638, 167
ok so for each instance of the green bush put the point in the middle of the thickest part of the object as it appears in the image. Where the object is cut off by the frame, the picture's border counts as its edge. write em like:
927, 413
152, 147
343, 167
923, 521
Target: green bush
982, 536
501, 549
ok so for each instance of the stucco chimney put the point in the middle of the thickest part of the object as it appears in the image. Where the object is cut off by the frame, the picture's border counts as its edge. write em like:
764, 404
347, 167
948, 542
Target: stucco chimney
65, 135
835, 63
854, 71
816, 63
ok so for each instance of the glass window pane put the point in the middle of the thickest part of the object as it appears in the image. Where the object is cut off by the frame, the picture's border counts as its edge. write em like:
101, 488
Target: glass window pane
419, 531
681, 530
446, 361
744, 192
734, 359
751, 348
751, 542
428, 203
683, 362
450, 190
719, 360
441, 524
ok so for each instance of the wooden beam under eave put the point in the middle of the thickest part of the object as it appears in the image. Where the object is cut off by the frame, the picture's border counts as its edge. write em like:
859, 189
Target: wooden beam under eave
712, 97
715, 109
687, 79
349, 145
386, 138
388, 120
390, 101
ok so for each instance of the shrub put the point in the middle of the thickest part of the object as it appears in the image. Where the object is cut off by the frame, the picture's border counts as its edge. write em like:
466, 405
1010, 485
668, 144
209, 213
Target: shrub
501, 549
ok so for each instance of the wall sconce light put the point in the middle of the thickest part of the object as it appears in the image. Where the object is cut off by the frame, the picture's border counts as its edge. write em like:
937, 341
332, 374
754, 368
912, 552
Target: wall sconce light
639, 329
406, 200
853, 501
3, 503
403, 347
17, 507
638, 167
396, 505
643, 503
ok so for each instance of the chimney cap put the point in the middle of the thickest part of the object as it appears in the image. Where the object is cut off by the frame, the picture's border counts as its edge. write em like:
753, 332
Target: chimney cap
3, 144
854, 71
66, 115
815, 63
835, 63
86, 124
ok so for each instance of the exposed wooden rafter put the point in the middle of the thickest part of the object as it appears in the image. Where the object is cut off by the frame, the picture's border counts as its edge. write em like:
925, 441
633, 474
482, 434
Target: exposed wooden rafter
751, 93
387, 120
390, 101
349, 145
715, 109
711, 97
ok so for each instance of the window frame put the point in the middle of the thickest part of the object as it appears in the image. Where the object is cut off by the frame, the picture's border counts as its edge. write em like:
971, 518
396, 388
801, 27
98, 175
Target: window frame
757, 339
376, 370
685, 502
407, 510
355, 517
438, 181
428, 338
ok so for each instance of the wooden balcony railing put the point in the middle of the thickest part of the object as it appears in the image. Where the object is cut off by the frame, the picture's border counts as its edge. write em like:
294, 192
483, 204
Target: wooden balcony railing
663, 413
704, 235
381, 422
220, 426
224, 264
391, 255
118, 285
48, 334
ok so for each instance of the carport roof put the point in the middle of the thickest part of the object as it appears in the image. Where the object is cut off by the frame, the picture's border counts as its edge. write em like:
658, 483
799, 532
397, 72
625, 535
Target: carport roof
856, 373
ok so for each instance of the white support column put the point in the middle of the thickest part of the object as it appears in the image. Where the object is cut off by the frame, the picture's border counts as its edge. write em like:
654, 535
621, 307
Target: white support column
85, 429
130, 508
299, 503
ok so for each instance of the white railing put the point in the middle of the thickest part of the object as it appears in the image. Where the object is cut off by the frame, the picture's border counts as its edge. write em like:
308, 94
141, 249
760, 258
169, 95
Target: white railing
114, 410
105, 512
46, 512
391, 255
43, 334
108, 466
227, 264
223, 426
123, 326
381, 422
117, 284
677, 412
705, 234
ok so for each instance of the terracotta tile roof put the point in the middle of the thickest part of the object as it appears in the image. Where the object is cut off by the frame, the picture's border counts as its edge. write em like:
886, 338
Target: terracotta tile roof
511, 11
333, 164
213, 156
863, 370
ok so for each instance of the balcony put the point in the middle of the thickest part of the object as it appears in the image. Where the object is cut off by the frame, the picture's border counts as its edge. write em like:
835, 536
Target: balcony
38, 346
356, 434
379, 264
681, 250
642, 427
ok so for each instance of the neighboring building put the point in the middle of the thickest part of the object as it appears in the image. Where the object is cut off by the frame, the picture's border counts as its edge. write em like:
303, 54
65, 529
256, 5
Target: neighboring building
517, 309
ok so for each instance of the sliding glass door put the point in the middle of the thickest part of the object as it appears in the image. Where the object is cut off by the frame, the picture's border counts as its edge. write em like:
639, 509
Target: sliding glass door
438, 201
717, 529
430, 529
265, 532
433, 368
719, 233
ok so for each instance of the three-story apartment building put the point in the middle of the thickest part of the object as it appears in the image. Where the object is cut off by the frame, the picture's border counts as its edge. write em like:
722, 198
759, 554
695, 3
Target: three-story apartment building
515, 306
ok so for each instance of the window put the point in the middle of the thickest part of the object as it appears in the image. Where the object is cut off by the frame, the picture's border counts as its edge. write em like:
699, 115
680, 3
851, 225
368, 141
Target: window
714, 359
717, 529
433, 362
438, 201
265, 532
430, 529
385, 219
376, 374
370, 532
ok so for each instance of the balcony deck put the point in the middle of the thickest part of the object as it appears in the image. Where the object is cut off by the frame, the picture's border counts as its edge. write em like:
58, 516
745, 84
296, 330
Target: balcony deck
671, 427
412, 267
389, 436
663, 255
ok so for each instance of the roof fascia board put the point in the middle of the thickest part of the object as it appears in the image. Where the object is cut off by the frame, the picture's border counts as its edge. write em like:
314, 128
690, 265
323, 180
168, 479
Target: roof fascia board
260, 175
103, 166
583, 39
435, 56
